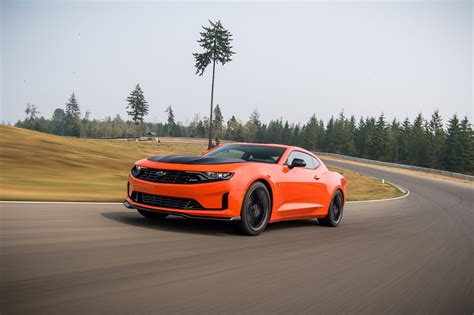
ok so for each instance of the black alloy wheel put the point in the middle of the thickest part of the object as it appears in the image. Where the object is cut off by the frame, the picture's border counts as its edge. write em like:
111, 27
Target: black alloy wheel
336, 209
256, 210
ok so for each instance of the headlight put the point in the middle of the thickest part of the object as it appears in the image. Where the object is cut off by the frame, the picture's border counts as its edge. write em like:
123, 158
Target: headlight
136, 170
218, 175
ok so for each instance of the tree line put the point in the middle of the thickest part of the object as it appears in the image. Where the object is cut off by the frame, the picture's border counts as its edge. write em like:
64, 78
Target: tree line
426, 142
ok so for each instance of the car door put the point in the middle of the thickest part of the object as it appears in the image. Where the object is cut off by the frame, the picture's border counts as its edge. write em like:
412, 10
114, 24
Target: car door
302, 186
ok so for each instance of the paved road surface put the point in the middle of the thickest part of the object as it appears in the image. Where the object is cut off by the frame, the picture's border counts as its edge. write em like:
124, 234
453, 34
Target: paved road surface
414, 255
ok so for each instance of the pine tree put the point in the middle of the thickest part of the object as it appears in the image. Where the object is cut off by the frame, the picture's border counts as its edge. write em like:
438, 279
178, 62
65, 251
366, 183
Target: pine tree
234, 131
295, 137
467, 142
137, 107
218, 122
231, 130
381, 139
437, 140
215, 41
200, 130
339, 139
286, 135
72, 117
393, 145
343, 137
329, 136
360, 138
404, 137
350, 148
171, 126
261, 133
312, 134
419, 143
454, 156
370, 140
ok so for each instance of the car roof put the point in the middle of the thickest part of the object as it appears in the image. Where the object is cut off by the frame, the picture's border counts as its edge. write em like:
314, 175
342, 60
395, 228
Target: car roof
270, 145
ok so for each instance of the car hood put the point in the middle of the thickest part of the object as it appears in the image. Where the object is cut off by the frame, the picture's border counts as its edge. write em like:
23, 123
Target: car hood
194, 160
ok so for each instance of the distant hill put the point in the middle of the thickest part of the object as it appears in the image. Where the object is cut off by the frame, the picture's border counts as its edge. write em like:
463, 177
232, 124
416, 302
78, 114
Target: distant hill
40, 166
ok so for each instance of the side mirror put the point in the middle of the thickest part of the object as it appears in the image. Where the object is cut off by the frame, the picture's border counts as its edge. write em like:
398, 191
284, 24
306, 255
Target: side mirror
297, 163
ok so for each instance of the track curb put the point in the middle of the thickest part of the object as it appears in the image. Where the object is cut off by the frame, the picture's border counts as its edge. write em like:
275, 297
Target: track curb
401, 188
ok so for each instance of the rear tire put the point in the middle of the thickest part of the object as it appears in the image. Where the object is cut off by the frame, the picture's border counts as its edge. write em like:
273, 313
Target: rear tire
152, 215
334, 216
256, 209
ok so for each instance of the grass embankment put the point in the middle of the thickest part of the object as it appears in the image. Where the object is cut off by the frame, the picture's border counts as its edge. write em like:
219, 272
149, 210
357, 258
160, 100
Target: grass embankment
38, 166
361, 187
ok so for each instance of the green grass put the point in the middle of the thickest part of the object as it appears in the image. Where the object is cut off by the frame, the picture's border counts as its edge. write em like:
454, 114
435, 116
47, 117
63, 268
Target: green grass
39, 166
361, 187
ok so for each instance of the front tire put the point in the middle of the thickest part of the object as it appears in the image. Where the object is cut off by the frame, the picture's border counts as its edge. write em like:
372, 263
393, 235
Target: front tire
152, 215
334, 216
256, 210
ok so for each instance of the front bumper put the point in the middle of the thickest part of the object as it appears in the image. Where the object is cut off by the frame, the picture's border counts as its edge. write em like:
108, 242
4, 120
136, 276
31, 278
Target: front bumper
220, 200
131, 205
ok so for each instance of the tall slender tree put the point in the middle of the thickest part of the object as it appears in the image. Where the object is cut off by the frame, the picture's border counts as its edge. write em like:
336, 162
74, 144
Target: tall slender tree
137, 107
215, 41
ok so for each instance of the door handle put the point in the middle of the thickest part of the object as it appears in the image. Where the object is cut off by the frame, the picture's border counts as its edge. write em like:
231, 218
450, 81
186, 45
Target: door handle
316, 177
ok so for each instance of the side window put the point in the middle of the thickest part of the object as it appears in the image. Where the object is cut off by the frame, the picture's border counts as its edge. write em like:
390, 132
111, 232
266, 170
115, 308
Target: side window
311, 163
315, 162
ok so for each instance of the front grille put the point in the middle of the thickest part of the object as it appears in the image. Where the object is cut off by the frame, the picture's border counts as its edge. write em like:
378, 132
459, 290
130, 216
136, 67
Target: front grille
167, 202
169, 176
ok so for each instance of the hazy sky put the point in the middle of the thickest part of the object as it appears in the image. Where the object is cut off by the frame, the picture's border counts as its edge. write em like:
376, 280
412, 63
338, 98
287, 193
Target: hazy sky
292, 59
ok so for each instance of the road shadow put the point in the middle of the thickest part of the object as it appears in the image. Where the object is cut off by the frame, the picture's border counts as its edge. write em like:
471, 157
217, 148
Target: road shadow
197, 226
174, 224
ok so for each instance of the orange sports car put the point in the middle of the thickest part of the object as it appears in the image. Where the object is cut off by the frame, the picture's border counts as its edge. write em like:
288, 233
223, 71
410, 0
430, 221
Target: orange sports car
253, 184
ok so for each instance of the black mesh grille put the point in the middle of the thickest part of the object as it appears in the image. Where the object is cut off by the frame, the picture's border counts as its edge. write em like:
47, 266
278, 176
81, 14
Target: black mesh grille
167, 202
170, 177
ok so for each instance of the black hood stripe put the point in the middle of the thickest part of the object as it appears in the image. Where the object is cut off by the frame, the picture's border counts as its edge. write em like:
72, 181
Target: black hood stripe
194, 159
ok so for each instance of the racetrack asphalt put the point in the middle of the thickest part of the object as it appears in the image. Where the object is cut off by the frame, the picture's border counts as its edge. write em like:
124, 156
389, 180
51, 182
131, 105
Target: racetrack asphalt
412, 255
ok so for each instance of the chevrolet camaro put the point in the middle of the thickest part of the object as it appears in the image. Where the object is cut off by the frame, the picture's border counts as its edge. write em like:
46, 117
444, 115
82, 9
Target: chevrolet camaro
252, 184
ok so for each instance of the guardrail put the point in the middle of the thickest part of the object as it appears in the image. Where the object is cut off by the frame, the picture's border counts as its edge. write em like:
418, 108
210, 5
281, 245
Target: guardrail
403, 166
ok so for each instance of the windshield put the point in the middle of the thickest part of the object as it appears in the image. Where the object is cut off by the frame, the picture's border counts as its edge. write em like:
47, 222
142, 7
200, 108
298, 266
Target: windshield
250, 153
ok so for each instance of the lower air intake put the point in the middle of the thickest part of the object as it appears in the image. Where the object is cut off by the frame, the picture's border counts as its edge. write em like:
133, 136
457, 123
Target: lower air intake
168, 202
